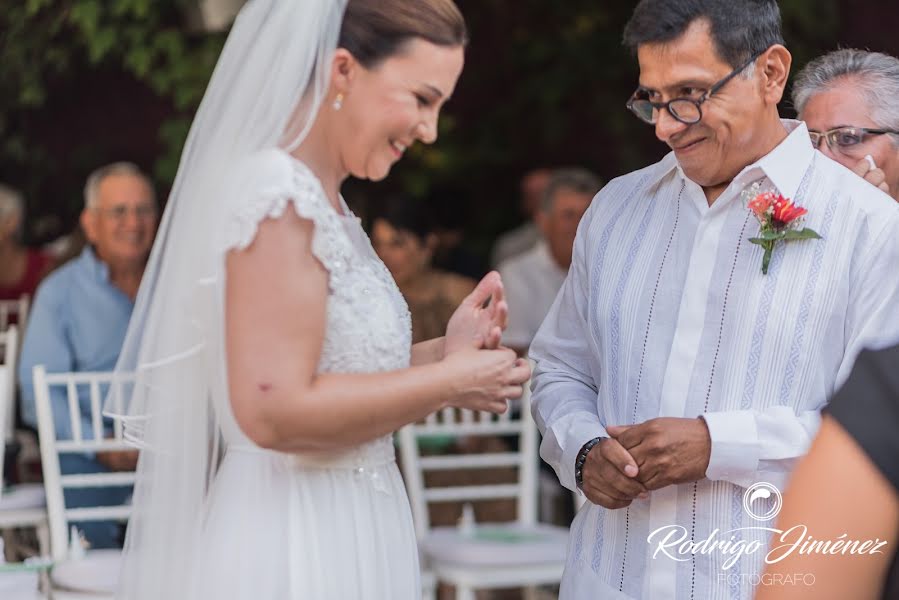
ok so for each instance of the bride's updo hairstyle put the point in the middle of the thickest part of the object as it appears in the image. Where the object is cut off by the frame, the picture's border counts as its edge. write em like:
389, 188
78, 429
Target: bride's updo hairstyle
374, 30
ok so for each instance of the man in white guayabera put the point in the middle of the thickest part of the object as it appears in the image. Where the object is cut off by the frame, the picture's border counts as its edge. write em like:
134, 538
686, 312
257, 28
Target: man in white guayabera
715, 301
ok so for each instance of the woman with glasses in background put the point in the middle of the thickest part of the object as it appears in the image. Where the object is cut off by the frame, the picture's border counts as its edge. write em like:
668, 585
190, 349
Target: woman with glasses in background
848, 99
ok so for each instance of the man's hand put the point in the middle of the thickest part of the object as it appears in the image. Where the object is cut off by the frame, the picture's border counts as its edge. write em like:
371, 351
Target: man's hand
667, 450
608, 476
869, 171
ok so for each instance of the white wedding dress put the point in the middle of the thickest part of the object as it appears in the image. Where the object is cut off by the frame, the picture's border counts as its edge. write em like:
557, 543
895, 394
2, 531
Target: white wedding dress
327, 526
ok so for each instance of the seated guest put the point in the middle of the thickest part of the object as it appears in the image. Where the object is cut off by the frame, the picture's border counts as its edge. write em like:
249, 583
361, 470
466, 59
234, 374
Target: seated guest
847, 490
848, 99
533, 279
80, 315
21, 268
527, 235
403, 237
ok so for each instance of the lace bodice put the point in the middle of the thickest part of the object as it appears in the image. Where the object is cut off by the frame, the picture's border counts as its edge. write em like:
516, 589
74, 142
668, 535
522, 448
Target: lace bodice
368, 323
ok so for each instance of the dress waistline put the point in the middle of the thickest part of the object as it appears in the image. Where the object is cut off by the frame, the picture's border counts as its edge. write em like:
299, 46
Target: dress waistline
361, 457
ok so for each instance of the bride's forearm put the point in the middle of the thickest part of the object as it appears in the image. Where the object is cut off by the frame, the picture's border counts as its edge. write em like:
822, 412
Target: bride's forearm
340, 410
424, 353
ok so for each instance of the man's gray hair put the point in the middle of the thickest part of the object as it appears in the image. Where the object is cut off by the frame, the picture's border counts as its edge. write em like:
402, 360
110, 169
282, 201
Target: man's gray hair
11, 202
575, 179
874, 74
92, 187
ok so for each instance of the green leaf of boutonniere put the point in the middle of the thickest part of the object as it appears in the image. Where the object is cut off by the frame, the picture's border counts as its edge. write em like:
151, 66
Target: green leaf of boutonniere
802, 234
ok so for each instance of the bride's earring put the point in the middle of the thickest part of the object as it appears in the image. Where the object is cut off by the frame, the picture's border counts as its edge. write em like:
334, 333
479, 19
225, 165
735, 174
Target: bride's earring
338, 102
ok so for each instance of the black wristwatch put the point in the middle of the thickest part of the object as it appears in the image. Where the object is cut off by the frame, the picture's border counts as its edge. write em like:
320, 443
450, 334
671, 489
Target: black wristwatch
582, 458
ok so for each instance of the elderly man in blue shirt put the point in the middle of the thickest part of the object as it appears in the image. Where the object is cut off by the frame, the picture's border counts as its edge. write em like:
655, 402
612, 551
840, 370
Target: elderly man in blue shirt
80, 315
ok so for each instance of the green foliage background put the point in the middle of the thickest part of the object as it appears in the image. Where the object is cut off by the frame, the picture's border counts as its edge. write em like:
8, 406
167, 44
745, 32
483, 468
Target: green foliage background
545, 84
49, 47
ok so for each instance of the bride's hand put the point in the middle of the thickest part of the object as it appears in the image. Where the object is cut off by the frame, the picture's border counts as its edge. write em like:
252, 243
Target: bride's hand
485, 380
480, 319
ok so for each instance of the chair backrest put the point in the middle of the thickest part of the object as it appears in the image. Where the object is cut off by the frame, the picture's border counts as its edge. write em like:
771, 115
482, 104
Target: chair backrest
55, 482
19, 308
9, 350
459, 423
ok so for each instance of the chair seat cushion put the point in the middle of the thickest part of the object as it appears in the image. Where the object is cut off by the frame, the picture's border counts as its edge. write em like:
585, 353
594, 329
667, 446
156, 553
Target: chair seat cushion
493, 545
21, 497
97, 572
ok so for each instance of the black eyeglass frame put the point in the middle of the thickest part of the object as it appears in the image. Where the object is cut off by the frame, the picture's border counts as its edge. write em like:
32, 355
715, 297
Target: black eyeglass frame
697, 102
830, 136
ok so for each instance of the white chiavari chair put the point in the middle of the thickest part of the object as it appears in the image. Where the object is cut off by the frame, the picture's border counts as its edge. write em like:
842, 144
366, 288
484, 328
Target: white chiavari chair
21, 506
17, 308
95, 575
523, 553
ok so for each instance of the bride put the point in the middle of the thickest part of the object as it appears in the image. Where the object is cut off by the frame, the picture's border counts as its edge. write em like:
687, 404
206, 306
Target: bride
271, 346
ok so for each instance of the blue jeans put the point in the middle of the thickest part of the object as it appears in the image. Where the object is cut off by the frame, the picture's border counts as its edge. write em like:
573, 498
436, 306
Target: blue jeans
100, 534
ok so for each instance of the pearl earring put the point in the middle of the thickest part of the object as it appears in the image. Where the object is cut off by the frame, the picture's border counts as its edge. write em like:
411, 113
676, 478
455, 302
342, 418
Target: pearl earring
338, 102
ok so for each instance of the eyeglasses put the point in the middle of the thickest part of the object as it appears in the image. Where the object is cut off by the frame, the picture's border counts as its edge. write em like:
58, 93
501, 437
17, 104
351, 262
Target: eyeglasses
842, 139
121, 211
684, 110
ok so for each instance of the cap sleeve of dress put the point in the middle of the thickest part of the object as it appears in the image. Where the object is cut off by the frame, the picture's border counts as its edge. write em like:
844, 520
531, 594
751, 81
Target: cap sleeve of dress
263, 186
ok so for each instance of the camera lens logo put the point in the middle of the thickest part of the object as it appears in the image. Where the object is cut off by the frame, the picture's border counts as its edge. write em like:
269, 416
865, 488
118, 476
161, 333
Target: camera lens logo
762, 501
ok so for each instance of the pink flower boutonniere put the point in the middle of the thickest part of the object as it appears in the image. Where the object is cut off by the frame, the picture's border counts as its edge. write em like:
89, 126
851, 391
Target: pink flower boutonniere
779, 219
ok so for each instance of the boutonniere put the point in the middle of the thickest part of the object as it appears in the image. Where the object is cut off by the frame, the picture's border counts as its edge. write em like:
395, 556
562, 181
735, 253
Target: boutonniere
779, 220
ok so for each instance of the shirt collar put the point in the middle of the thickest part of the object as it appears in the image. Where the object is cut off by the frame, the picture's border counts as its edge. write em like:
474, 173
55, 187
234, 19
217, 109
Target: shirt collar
784, 166
546, 257
663, 168
92, 264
